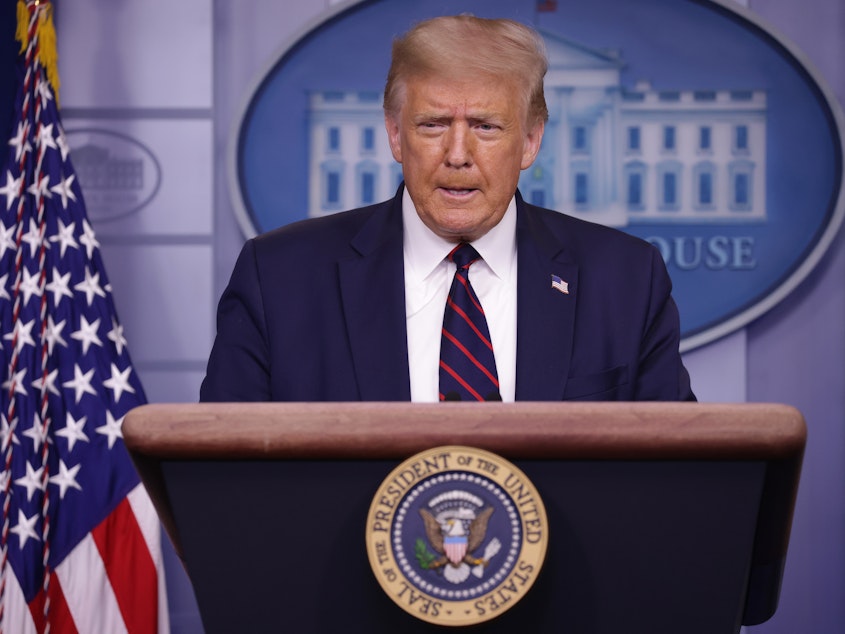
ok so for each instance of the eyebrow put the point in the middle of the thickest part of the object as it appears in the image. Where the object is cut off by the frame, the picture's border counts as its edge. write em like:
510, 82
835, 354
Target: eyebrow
431, 116
472, 117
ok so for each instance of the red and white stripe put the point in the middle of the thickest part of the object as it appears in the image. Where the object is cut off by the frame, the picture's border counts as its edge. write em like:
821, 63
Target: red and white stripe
91, 591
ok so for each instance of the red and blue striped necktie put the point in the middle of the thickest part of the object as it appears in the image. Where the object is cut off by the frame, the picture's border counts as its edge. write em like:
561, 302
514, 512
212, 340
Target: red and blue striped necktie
467, 365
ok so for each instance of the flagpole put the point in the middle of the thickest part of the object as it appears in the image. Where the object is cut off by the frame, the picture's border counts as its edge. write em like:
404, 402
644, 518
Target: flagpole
36, 15
41, 13
23, 133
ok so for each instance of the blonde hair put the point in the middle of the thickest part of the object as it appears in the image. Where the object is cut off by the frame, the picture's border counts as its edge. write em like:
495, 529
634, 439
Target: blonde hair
464, 45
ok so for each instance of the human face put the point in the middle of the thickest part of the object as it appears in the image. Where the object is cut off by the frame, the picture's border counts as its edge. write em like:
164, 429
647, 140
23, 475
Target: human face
462, 143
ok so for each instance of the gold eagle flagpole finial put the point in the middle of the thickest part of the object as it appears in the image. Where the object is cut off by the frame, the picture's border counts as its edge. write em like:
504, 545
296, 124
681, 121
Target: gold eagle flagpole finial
35, 25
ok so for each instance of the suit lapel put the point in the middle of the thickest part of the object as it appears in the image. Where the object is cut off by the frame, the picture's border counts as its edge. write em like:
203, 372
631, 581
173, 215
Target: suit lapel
372, 285
545, 315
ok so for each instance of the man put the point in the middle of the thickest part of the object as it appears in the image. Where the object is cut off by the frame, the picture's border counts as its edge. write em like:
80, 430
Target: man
354, 306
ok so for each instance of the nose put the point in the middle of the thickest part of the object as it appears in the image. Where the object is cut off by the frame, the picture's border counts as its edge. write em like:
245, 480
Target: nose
458, 146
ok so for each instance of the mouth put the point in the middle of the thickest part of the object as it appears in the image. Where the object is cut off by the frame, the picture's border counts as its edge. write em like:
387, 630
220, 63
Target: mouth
459, 192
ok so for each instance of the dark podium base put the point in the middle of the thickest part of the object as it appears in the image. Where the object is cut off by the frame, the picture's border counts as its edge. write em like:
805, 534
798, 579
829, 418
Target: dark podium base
288, 537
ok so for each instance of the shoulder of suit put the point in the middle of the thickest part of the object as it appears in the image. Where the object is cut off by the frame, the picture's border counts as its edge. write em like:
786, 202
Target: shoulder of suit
569, 229
334, 223
323, 233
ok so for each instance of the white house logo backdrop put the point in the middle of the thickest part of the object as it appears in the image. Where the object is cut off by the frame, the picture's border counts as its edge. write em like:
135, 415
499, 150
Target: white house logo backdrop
683, 122
121, 175
456, 535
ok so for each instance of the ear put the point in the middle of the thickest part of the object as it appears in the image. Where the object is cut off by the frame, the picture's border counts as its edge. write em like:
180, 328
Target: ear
391, 123
531, 144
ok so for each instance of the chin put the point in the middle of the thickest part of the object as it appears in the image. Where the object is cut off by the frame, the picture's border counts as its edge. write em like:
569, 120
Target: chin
461, 235
453, 225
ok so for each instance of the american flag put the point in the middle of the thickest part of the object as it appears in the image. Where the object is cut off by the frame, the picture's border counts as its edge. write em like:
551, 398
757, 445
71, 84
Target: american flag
80, 542
560, 285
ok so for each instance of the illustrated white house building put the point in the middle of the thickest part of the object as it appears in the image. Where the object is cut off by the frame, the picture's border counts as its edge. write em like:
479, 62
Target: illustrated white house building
612, 154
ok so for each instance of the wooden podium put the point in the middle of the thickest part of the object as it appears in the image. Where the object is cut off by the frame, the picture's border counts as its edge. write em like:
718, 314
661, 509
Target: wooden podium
663, 517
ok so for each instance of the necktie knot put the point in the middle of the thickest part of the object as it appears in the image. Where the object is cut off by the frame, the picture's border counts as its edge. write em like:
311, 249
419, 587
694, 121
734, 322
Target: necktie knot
463, 255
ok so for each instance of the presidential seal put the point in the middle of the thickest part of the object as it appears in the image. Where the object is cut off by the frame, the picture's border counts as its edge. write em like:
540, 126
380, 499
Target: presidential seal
456, 535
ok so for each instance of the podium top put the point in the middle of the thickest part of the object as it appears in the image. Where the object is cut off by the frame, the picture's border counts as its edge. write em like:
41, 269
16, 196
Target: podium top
642, 431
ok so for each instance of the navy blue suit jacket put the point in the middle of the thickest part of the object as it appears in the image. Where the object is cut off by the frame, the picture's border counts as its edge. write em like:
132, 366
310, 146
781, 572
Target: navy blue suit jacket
315, 311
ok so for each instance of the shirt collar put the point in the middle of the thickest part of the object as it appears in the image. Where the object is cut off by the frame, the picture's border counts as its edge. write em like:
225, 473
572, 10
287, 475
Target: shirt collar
424, 250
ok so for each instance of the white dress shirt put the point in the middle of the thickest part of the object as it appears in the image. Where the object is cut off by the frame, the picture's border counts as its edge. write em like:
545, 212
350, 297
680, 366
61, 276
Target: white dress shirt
428, 276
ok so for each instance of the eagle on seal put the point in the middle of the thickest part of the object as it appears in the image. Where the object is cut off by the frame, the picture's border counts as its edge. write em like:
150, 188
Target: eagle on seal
452, 542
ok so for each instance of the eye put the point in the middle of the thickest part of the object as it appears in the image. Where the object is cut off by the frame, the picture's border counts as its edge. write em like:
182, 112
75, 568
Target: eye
430, 126
486, 127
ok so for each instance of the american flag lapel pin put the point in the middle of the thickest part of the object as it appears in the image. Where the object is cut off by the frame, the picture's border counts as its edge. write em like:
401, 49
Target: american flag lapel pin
560, 285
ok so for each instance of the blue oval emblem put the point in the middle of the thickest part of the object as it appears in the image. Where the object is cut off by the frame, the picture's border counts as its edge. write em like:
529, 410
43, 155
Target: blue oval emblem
685, 123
